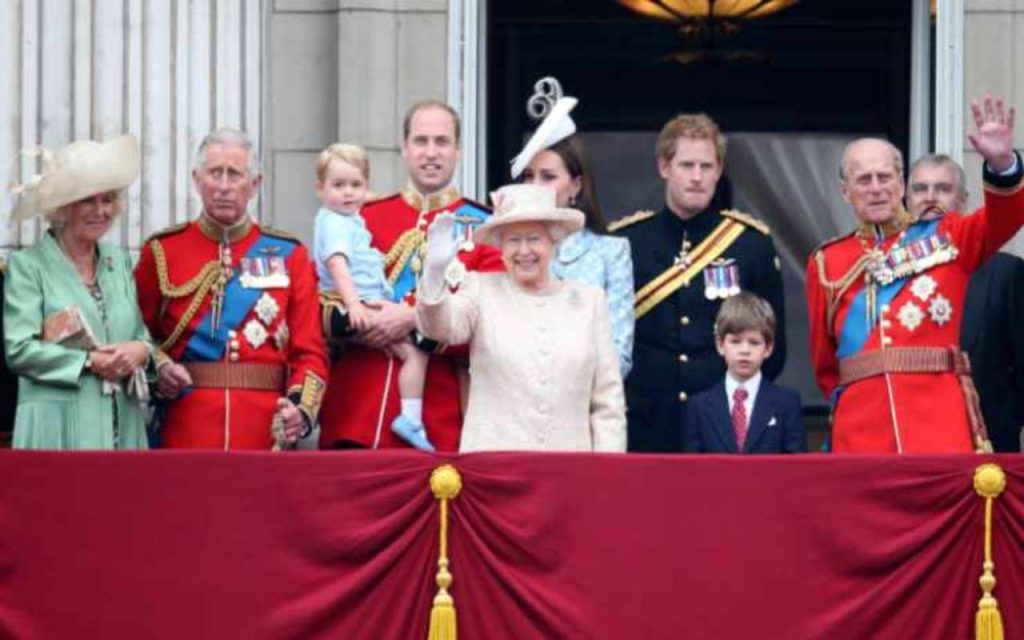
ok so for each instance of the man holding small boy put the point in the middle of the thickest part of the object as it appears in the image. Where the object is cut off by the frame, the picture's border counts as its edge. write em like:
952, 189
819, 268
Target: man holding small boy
366, 403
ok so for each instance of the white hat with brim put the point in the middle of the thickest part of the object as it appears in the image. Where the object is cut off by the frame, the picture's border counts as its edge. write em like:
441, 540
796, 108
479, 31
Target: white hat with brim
83, 168
516, 203
557, 126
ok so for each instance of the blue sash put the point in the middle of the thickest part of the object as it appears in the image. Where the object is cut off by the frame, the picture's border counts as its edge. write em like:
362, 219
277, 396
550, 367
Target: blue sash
207, 345
856, 330
406, 280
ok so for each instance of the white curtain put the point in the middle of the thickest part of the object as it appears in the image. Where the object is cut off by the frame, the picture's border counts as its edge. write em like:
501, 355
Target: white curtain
791, 181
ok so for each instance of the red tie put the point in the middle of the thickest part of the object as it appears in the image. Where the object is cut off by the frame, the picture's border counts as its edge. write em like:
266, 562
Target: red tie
739, 416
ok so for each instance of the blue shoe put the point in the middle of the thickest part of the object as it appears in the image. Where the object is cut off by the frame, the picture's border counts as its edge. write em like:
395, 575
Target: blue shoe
413, 433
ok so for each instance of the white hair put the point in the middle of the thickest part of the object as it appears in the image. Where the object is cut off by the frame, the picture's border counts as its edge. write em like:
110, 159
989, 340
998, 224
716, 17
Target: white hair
232, 137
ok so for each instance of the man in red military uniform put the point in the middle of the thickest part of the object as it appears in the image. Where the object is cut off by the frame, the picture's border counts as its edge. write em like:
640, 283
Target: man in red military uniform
886, 300
233, 307
361, 412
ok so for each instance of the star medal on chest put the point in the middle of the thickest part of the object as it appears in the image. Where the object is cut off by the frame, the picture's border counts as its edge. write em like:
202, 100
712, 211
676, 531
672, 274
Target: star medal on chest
267, 308
721, 279
255, 333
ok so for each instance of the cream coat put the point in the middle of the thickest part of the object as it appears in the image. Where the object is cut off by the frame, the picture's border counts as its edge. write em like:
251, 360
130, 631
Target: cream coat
545, 375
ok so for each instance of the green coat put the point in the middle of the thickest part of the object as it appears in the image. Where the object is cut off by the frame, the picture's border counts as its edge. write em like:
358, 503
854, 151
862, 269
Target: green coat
61, 406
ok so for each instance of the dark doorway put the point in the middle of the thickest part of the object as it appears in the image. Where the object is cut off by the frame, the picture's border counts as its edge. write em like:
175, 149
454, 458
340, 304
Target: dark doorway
791, 89
821, 65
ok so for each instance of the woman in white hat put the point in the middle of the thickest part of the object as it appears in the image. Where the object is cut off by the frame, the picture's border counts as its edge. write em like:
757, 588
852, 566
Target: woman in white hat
74, 333
544, 374
554, 156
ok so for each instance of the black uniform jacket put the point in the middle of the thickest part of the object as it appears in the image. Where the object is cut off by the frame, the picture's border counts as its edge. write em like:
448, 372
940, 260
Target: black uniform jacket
674, 355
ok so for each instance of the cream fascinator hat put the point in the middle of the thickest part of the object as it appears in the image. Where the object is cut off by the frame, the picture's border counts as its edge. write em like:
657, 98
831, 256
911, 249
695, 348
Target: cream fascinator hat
79, 170
527, 203
556, 126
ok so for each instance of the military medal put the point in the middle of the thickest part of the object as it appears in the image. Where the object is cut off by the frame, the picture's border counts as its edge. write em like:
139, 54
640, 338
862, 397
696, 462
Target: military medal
255, 333
463, 229
282, 336
264, 272
454, 274
721, 279
940, 310
910, 316
683, 257
267, 309
923, 286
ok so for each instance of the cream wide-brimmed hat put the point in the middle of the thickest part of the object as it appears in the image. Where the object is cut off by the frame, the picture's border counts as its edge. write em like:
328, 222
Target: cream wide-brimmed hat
555, 127
527, 203
81, 169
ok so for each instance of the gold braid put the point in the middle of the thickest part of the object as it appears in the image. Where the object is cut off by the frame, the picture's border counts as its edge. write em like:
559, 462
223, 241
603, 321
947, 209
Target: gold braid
401, 251
200, 284
836, 288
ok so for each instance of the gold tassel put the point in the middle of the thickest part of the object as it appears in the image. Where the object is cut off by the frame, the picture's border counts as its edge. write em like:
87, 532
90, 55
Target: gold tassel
445, 483
989, 482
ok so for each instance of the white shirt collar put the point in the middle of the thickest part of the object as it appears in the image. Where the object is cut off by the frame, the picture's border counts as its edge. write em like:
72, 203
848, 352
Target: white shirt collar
752, 385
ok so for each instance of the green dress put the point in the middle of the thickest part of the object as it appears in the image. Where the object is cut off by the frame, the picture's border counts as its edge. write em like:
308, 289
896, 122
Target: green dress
61, 405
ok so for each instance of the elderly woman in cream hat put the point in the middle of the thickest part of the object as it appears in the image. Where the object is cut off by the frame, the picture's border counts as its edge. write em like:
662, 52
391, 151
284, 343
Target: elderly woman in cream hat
74, 334
544, 373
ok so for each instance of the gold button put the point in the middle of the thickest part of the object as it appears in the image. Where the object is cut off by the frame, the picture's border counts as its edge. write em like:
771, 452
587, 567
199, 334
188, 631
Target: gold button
682, 396
685, 320
683, 357
232, 334
233, 357
234, 345
686, 283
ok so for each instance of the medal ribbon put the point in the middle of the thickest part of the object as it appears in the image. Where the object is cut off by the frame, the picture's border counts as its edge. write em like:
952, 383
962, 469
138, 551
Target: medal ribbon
669, 281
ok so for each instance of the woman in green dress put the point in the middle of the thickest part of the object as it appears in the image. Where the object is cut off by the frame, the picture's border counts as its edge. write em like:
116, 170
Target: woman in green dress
77, 392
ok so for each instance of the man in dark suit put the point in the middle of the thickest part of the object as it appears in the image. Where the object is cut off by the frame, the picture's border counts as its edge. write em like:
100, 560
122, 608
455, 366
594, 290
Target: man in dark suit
687, 258
744, 412
991, 331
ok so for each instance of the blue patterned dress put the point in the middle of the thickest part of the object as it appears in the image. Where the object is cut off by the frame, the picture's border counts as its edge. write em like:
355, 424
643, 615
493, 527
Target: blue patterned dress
604, 262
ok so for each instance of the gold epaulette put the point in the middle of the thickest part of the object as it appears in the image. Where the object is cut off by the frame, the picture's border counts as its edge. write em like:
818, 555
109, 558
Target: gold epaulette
278, 233
171, 230
631, 219
746, 219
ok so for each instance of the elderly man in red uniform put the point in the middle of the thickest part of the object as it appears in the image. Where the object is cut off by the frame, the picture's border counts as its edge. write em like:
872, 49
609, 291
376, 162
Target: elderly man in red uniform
233, 306
886, 300
361, 412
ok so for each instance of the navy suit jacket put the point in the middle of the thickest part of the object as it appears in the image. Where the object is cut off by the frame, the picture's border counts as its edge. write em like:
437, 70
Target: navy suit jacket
992, 334
776, 424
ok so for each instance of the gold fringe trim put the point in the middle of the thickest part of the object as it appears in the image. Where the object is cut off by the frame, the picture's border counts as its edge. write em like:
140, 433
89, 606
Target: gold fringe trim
989, 482
445, 483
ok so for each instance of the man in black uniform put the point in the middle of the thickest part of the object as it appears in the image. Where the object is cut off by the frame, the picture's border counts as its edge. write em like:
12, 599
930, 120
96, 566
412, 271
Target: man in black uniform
687, 258
991, 330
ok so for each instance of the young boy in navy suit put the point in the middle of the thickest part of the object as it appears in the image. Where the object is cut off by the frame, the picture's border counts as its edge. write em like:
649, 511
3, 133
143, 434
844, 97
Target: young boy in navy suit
745, 413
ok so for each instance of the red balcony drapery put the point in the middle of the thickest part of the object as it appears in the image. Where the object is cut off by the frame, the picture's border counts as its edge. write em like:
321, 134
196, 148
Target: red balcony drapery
344, 545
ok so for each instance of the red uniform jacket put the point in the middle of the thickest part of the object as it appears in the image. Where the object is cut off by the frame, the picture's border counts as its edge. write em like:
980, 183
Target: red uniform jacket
922, 309
276, 322
364, 400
